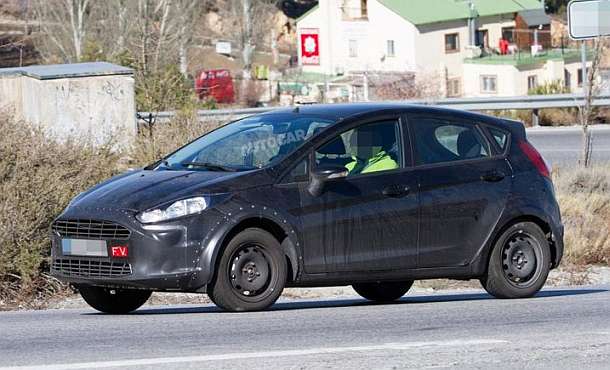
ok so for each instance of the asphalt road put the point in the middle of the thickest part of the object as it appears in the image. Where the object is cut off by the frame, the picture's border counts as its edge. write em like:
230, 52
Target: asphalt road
562, 146
561, 328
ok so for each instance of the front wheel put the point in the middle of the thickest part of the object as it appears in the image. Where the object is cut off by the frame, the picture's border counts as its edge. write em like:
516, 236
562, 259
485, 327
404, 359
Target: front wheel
114, 301
383, 292
519, 264
251, 273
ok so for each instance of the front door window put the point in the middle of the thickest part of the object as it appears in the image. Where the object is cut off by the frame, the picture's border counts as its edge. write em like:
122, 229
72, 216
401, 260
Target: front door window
366, 149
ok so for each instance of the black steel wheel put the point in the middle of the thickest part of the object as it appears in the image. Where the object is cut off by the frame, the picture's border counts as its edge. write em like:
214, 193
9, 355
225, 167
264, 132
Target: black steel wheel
251, 273
114, 301
520, 262
383, 292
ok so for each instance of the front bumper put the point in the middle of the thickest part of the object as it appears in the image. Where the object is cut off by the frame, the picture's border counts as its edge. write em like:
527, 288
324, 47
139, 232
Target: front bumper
165, 257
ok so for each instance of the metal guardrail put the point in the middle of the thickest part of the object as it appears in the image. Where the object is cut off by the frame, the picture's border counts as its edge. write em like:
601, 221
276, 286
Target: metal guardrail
532, 102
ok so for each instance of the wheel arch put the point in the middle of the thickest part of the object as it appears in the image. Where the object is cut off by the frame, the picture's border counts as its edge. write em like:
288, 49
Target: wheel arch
283, 233
539, 221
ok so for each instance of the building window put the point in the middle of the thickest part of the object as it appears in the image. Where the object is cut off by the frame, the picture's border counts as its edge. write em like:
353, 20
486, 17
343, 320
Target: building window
364, 13
354, 10
508, 34
390, 49
567, 77
579, 77
482, 39
454, 87
452, 43
489, 84
353, 48
532, 82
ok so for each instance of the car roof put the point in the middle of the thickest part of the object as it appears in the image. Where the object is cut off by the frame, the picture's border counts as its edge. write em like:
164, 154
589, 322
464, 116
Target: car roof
346, 110
343, 110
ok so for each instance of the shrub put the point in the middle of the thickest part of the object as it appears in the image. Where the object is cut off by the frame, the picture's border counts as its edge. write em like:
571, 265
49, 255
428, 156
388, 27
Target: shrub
548, 117
157, 140
40, 174
550, 88
584, 197
38, 177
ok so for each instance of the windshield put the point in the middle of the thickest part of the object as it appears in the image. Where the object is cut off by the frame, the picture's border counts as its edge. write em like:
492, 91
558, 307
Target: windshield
247, 144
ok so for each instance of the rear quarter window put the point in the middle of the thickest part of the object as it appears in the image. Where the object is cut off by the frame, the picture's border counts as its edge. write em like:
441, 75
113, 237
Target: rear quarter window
500, 137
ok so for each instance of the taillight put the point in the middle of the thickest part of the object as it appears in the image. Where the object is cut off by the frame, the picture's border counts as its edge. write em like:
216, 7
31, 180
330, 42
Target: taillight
535, 157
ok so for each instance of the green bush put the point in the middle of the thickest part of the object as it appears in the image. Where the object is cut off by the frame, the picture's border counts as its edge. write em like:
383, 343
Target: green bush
550, 88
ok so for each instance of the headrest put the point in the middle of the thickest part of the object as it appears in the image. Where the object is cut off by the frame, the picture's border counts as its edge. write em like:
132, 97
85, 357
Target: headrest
468, 145
334, 147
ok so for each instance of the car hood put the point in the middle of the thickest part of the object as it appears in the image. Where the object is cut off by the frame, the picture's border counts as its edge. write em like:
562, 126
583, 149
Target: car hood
144, 189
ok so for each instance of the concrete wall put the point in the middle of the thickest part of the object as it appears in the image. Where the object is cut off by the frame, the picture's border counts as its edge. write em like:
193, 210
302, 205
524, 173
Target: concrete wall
95, 106
10, 92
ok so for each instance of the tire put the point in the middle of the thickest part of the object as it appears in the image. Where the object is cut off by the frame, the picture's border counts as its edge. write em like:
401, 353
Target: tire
251, 272
383, 292
122, 301
519, 263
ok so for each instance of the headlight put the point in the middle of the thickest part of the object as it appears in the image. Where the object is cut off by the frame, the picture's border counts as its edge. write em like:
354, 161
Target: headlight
177, 209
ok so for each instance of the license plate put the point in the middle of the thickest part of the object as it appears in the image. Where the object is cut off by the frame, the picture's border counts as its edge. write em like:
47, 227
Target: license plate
84, 247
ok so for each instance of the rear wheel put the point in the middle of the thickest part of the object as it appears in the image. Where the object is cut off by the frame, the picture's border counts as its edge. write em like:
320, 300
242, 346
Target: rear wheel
251, 273
519, 264
114, 301
383, 292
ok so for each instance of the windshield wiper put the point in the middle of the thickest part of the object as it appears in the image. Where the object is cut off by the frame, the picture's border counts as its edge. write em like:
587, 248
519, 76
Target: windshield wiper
210, 166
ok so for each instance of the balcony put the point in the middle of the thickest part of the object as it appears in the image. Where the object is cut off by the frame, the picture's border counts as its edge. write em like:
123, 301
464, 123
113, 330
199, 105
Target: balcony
523, 58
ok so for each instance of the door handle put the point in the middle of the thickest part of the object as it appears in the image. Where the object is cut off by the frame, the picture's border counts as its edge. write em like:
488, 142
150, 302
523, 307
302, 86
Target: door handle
396, 191
493, 176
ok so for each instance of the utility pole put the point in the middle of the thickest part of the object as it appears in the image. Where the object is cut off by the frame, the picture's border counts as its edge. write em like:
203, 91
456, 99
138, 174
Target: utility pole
366, 86
583, 55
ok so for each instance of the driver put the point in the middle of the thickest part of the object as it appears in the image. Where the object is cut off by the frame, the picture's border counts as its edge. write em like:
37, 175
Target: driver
368, 153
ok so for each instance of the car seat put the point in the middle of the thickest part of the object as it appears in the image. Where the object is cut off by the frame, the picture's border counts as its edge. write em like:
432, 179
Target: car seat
468, 145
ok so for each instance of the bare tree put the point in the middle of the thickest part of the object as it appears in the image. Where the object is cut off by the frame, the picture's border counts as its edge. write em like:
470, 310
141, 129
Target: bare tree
251, 24
114, 25
586, 112
407, 86
187, 12
163, 30
64, 24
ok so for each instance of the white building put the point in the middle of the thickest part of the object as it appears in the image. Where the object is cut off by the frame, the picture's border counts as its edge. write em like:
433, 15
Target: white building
456, 41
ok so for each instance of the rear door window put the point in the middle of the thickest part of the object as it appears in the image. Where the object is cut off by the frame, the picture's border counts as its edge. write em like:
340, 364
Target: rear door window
439, 140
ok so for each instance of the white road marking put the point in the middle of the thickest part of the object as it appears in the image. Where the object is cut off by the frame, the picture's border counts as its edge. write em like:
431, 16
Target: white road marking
261, 354
571, 150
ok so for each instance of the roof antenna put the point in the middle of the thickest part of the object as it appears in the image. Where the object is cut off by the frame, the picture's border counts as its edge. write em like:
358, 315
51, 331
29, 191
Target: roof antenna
296, 109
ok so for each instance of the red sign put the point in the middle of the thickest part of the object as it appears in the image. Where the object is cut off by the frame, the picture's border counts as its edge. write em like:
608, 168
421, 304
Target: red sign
310, 46
119, 251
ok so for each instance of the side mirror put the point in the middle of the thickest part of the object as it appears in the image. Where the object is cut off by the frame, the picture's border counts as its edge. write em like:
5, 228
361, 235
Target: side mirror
323, 174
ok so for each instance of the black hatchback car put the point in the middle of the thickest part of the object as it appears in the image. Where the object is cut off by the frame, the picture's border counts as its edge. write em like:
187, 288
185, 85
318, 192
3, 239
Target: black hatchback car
369, 195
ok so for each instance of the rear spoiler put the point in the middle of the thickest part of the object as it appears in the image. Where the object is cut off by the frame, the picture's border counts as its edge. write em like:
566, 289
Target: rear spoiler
517, 128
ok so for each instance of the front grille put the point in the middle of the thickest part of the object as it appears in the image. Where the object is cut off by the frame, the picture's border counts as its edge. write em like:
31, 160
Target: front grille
90, 229
91, 268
